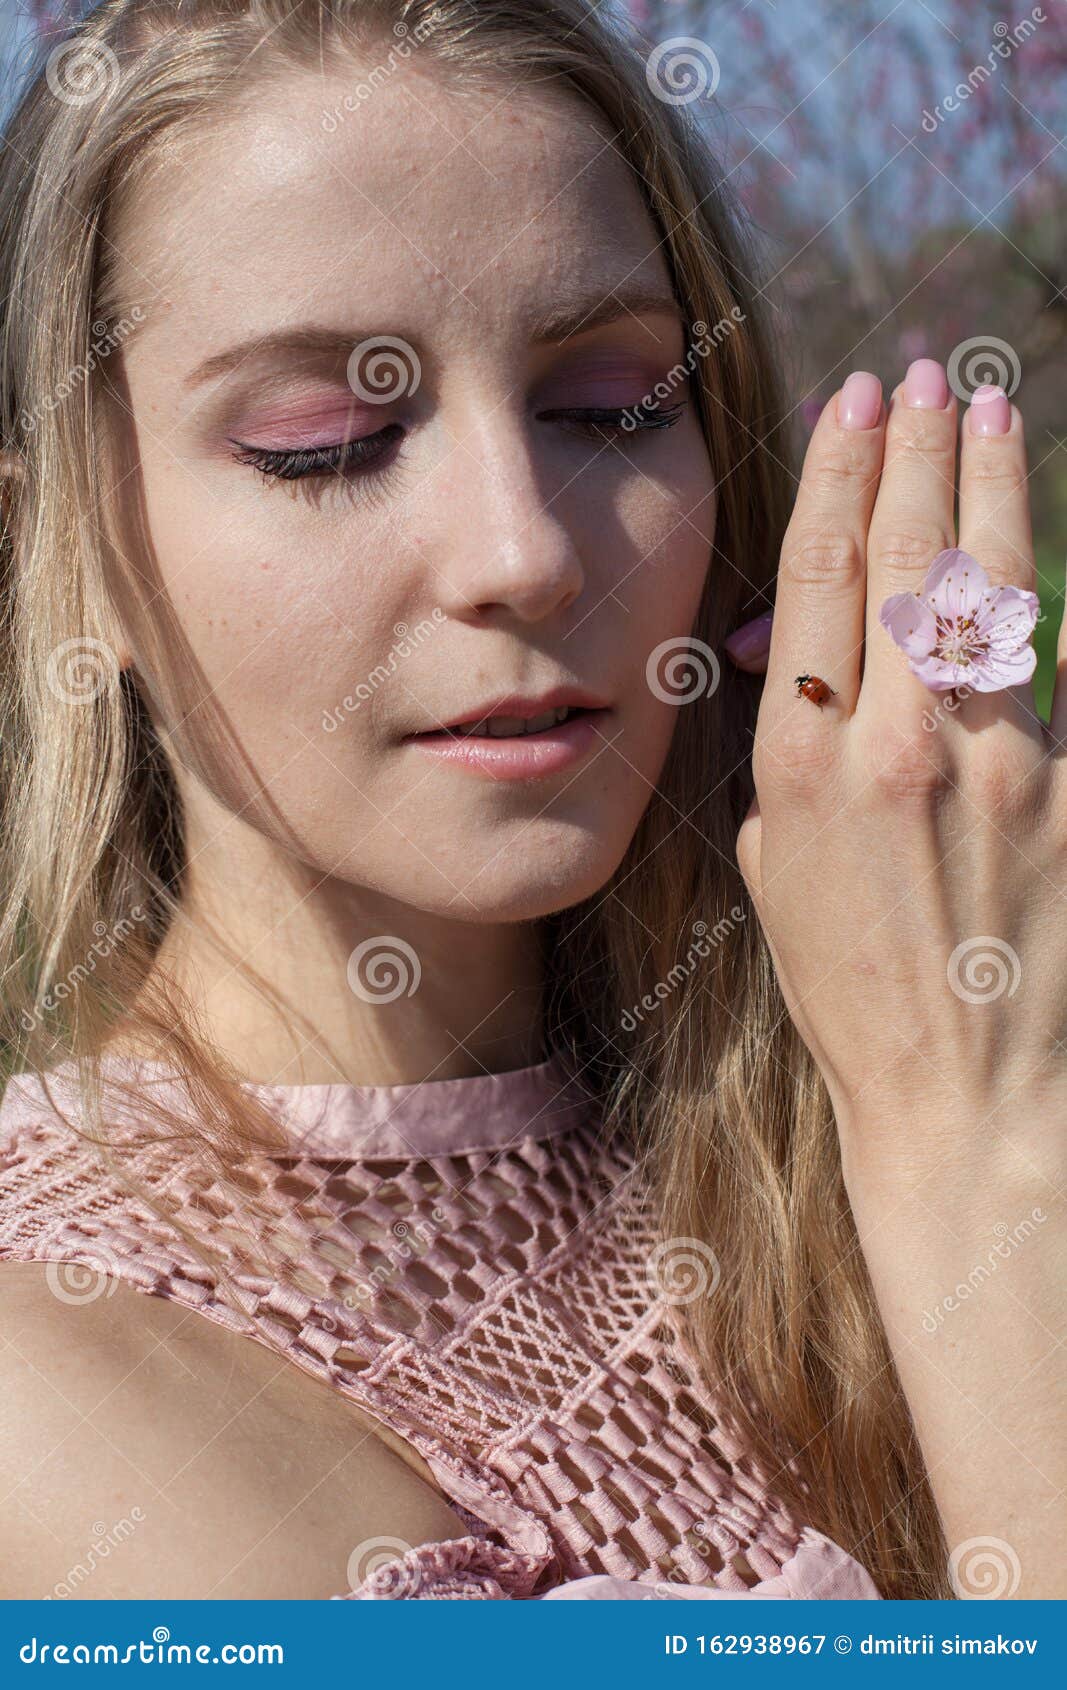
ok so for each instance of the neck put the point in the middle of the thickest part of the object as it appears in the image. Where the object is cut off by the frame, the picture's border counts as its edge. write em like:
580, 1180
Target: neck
314, 980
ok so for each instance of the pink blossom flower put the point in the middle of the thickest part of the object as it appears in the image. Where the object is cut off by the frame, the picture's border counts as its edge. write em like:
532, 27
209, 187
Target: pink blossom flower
962, 632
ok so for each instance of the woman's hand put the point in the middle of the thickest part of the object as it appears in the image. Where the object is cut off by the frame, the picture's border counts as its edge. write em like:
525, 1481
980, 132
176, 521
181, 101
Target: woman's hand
907, 850
907, 857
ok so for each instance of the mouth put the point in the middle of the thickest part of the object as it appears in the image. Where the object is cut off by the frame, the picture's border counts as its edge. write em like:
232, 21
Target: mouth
519, 748
516, 727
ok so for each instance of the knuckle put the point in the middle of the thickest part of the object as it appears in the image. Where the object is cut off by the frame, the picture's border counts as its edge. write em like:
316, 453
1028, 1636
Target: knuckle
816, 558
904, 550
918, 434
844, 460
1004, 566
797, 758
997, 781
907, 767
999, 471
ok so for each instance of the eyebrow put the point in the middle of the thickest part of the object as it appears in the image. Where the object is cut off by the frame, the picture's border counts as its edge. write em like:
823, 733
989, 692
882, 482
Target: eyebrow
326, 345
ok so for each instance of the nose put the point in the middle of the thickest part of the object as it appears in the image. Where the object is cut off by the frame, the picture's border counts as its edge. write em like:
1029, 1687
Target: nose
508, 546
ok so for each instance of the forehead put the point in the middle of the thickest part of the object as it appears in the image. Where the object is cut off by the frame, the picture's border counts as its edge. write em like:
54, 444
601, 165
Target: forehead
408, 196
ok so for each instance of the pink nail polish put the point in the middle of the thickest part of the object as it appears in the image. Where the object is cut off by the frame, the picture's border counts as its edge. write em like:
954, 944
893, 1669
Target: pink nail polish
925, 386
752, 639
860, 402
990, 412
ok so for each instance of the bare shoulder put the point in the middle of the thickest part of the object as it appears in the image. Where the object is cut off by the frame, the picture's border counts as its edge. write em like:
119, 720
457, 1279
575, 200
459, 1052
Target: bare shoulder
146, 1451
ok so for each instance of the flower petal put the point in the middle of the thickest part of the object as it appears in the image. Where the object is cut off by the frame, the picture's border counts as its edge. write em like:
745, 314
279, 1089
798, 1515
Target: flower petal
938, 675
911, 624
954, 585
1010, 615
994, 671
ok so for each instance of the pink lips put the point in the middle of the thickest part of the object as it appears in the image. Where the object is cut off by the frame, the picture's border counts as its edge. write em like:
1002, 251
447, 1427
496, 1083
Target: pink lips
523, 756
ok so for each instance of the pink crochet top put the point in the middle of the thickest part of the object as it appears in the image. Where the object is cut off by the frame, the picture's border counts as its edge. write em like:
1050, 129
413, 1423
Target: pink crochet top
474, 1265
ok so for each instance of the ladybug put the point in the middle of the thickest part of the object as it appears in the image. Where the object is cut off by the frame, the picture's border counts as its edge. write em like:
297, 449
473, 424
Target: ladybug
813, 687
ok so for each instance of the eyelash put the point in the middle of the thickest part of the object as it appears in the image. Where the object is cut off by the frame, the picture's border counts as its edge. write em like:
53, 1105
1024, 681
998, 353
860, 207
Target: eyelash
320, 462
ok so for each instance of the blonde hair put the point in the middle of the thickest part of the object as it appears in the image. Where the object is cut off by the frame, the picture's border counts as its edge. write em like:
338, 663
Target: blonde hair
698, 1064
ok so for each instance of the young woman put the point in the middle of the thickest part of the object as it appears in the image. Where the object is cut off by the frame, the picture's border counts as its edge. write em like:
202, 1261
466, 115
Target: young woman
391, 444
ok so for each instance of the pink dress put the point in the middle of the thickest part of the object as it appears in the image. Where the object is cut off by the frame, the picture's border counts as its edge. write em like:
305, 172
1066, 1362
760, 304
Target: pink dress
474, 1264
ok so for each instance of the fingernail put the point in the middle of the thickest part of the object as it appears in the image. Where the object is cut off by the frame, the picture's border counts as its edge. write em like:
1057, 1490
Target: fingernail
860, 402
752, 639
990, 412
925, 386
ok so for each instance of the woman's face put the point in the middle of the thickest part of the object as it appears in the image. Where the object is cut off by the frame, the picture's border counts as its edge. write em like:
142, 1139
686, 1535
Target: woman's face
477, 532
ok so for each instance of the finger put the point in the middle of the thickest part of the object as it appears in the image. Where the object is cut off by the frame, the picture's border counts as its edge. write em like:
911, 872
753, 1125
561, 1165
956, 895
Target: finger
913, 520
994, 493
818, 617
995, 521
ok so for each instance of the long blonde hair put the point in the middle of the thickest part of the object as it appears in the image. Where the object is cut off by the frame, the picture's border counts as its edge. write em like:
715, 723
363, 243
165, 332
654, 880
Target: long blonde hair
660, 988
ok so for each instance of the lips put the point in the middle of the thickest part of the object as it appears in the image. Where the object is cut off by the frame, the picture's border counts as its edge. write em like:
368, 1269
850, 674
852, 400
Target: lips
518, 716
513, 727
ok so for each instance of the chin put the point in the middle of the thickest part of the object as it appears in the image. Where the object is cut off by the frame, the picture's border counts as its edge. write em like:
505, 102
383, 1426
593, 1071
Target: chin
526, 879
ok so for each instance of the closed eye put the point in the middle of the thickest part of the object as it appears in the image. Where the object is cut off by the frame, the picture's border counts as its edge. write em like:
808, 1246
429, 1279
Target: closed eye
320, 461
373, 450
